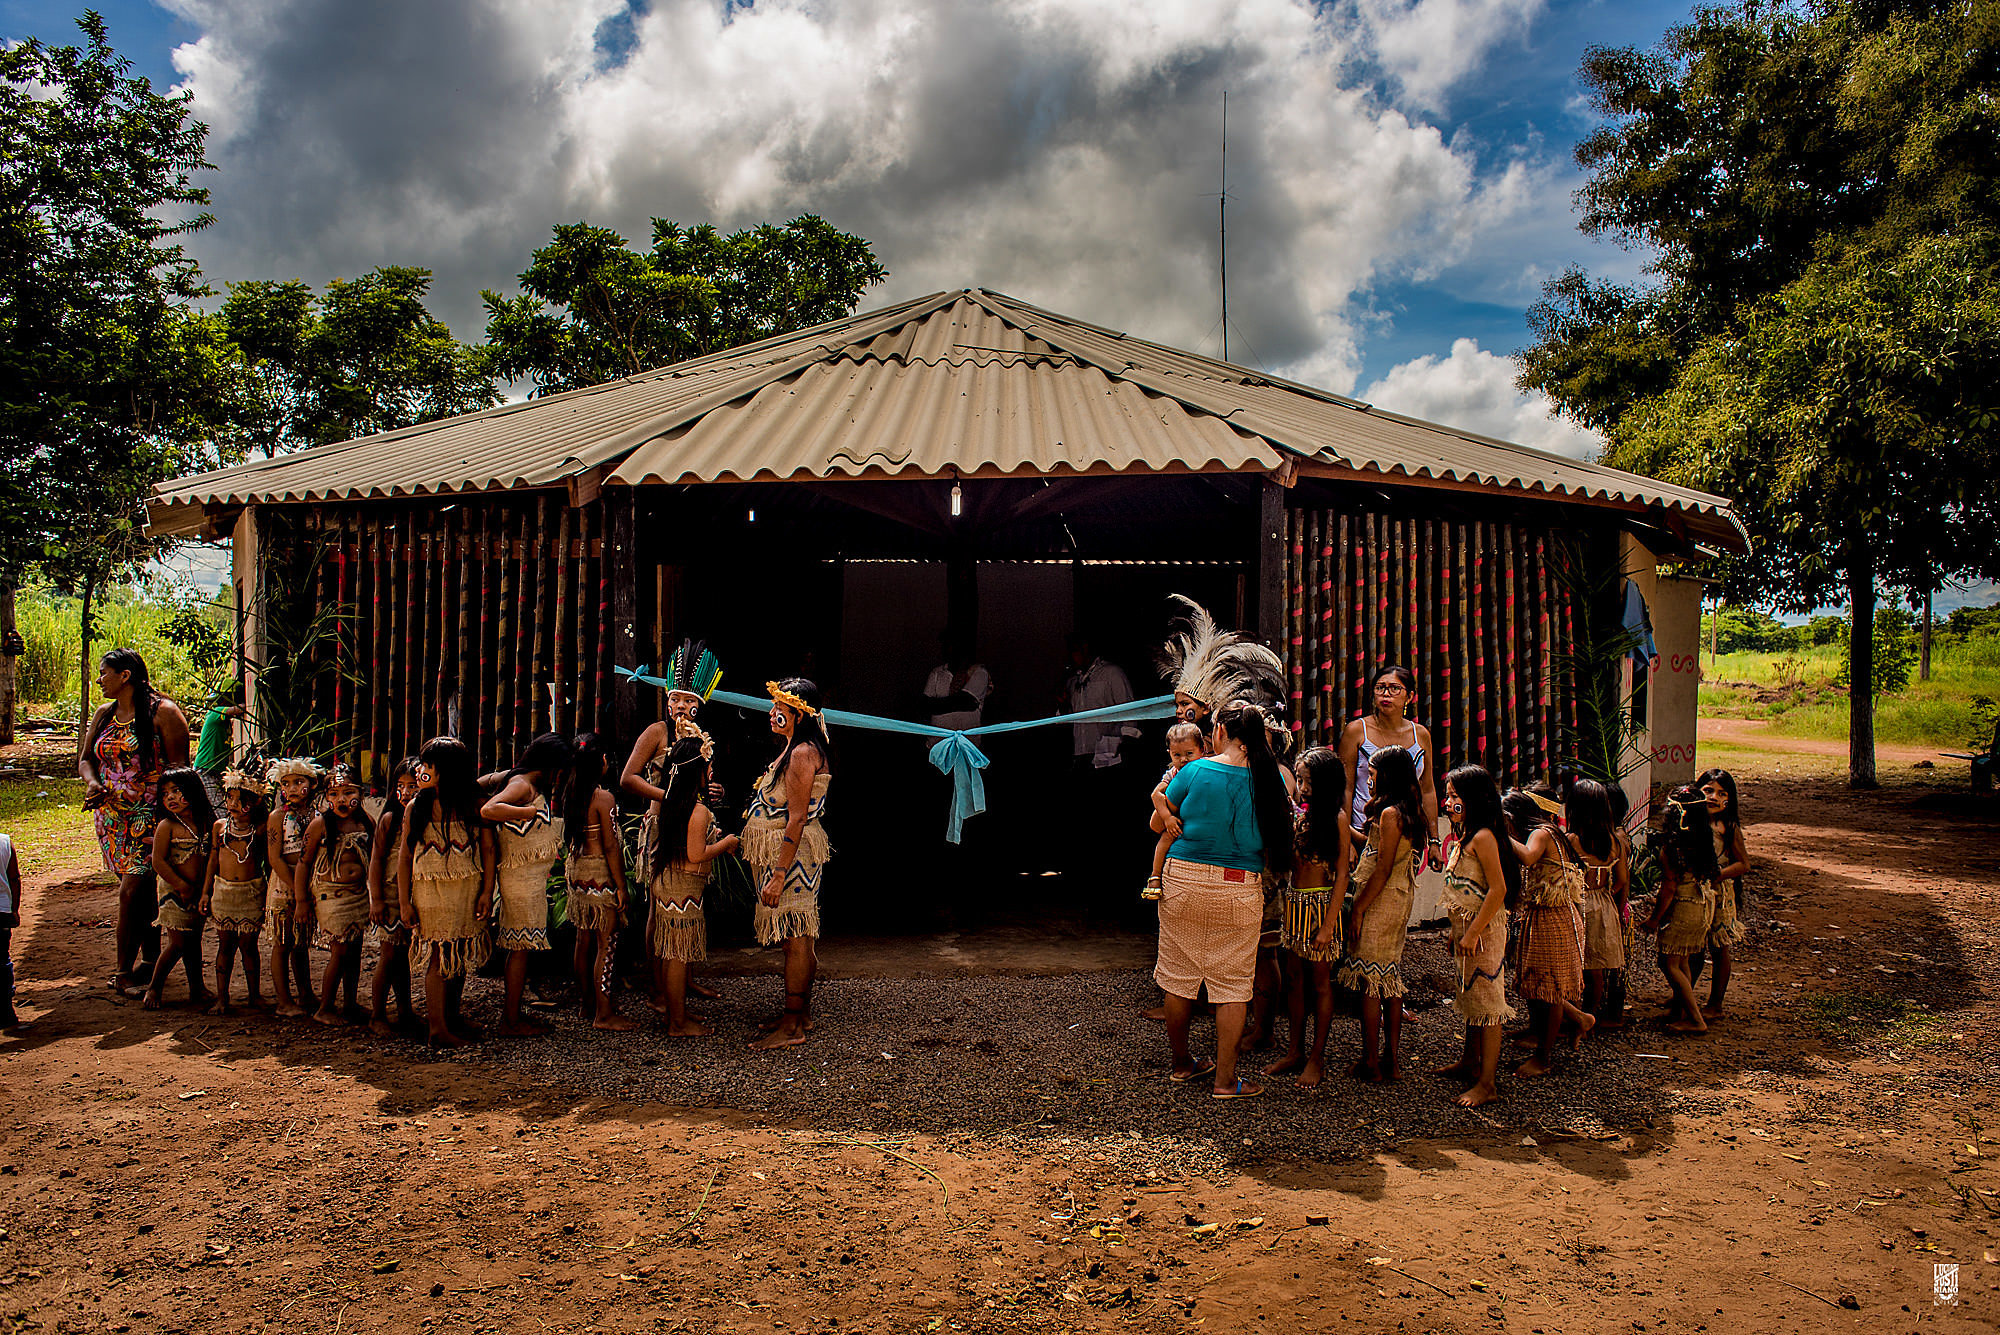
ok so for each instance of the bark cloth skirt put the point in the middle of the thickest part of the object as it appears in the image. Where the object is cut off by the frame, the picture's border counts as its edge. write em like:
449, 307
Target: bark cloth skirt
1603, 928
593, 895
797, 911
1482, 990
1690, 920
527, 849
340, 906
1373, 965
1550, 967
1210, 919
445, 875
237, 906
678, 929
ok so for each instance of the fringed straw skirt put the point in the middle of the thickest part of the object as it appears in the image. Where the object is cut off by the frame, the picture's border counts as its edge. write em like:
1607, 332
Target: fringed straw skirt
797, 910
1727, 928
1551, 967
448, 932
593, 896
281, 910
175, 916
236, 906
1686, 930
679, 928
1210, 919
1305, 912
521, 905
341, 908
1374, 962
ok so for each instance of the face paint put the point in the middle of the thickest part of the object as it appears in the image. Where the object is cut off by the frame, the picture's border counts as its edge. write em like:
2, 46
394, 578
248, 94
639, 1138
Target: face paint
173, 800
343, 798
406, 788
294, 788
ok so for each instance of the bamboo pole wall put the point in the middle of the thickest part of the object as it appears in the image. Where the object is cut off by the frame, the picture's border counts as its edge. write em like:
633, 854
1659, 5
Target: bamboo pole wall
1468, 607
469, 619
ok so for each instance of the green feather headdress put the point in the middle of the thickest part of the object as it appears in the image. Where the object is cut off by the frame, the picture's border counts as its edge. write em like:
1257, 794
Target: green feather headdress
694, 670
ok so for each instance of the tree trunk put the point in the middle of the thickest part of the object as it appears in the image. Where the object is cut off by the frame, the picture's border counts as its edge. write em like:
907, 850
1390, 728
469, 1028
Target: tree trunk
1714, 631
9, 677
83, 671
1924, 661
1861, 674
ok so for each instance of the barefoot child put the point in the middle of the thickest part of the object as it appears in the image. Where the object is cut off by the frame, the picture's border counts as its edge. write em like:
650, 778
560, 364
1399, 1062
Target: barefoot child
444, 879
1685, 911
594, 869
1384, 885
1607, 885
1480, 881
1549, 975
297, 781
529, 838
1312, 908
233, 898
688, 843
1725, 826
392, 939
180, 860
333, 890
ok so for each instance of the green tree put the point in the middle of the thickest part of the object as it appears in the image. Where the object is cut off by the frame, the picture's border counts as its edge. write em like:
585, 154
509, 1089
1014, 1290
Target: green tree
1817, 187
106, 375
593, 309
363, 356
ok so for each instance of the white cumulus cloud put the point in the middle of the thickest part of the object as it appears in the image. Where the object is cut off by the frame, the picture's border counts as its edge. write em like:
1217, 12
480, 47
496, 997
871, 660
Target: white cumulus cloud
1474, 390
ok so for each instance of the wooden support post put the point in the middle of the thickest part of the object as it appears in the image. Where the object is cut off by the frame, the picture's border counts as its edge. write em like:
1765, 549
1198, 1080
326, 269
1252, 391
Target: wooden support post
622, 561
1270, 562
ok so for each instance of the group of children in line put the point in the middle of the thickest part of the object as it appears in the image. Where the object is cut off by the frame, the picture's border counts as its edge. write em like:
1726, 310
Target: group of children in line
1536, 875
454, 867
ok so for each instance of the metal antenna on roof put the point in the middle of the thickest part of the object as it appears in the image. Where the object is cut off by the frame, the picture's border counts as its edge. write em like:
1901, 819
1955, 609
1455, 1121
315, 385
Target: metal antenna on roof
1222, 221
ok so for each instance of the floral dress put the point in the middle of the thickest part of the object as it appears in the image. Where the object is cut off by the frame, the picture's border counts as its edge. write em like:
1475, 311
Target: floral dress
126, 819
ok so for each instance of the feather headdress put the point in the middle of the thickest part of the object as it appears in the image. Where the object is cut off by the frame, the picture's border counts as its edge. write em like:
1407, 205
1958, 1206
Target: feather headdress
249, 783
1215, 666
287, 766
693, 670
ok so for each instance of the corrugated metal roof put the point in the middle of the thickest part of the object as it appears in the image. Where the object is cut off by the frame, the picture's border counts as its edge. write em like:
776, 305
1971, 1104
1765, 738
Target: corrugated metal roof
969, 382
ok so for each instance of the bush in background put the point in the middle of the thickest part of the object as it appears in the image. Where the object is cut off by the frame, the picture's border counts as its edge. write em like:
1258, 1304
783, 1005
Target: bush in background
182, 635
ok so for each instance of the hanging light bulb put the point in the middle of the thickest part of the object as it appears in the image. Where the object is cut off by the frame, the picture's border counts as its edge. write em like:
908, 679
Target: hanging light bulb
753, 516
957, 501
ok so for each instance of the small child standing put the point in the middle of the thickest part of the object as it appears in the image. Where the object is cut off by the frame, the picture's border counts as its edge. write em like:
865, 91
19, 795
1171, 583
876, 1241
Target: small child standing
444, 880
392, 939
679, 930
180, 859
1481, 882
1312, 908
594, 869
1185, 741
1385, 883
1725, 827
1685, 911
297, 780
234, 896
1607, 877
1549, 974
333, 891
528, 834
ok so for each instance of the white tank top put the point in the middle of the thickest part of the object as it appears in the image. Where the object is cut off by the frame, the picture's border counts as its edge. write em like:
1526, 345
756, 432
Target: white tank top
1361, 774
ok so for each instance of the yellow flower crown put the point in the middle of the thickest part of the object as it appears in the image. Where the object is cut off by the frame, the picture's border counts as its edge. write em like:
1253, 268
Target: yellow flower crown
785, 697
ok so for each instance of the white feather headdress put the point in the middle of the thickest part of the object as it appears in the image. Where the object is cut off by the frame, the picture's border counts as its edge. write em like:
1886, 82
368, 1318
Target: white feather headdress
1216, 666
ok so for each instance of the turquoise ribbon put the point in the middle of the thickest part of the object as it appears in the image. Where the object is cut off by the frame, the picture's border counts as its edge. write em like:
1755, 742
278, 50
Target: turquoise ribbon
955, 753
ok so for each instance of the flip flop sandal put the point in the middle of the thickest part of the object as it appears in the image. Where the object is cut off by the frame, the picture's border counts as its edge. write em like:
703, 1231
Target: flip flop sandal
1239, 1092
1184, 1077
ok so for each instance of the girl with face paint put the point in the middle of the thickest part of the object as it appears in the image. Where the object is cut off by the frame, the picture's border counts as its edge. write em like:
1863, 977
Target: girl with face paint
333, 891
392, 939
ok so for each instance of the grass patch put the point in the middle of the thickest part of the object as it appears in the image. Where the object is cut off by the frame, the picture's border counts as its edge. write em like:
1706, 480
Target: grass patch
51, 831
1795, 693
1868, 1017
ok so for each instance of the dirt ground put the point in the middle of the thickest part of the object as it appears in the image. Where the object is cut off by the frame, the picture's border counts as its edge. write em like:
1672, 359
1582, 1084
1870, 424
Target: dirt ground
1808, 1163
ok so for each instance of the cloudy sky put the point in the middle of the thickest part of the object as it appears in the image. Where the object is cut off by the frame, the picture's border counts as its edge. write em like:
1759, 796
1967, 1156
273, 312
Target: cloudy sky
1399, 171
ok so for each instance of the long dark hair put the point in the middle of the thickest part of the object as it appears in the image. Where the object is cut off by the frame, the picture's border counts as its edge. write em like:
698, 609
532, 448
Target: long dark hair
1246, 723
392, 808
1479, 802
1732, 816
1394, 785
551, 757
1317, 832
588, 763
1526, 815
685, 784
144, 702
1589, 814
806, 728
201, 811
457, 790
1688, 846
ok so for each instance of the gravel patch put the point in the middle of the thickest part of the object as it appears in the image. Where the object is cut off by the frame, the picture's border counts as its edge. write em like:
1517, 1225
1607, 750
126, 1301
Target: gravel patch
1069, 1062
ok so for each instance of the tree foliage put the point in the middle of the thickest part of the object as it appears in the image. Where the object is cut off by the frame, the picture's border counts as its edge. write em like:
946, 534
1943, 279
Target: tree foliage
363, 356
593, 309
106, 375
1818, 186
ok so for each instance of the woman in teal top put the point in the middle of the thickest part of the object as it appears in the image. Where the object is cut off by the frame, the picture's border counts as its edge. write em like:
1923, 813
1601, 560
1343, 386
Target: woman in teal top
1234, 825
